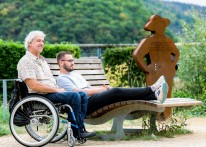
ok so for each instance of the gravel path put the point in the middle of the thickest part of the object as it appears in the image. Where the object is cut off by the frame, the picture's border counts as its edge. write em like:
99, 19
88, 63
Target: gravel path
196, 139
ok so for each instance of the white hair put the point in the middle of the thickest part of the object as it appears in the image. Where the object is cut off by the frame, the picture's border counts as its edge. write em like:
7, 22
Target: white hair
31, 36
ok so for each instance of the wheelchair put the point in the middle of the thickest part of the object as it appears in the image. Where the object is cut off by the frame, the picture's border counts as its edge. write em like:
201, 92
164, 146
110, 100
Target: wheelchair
36, 121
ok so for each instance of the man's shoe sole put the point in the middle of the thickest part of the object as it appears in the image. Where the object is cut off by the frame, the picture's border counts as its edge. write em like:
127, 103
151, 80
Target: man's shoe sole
165, 91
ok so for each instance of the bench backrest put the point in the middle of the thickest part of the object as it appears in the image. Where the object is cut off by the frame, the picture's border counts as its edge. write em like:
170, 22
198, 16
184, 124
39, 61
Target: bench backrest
90, 68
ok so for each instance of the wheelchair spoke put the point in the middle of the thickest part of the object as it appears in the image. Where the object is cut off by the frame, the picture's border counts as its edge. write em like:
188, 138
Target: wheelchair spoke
34, 121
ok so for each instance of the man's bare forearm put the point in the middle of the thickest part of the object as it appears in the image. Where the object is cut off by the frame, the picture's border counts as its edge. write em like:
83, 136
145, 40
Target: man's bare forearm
41, 88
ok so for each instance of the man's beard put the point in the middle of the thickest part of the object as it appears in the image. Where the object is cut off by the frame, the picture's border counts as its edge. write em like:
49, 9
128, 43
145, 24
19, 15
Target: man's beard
67, 69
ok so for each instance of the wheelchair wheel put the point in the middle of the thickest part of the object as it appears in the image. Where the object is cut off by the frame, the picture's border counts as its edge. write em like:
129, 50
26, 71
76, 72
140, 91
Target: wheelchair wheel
62, 131
34, 117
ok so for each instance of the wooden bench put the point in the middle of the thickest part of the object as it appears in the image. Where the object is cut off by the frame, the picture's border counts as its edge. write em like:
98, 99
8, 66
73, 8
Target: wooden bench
91, 69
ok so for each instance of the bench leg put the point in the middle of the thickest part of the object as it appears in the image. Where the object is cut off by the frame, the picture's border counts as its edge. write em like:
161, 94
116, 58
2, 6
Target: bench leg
118, 127
153, 126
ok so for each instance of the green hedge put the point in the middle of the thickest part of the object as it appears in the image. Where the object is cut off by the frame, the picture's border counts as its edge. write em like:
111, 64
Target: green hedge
50, 50
10, 53
121, 69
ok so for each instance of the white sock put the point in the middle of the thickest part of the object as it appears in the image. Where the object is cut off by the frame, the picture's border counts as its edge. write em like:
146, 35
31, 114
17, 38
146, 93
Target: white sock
153, 88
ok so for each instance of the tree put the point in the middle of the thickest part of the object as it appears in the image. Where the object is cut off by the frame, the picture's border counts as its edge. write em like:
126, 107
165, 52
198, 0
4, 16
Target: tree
192, 64
76, 21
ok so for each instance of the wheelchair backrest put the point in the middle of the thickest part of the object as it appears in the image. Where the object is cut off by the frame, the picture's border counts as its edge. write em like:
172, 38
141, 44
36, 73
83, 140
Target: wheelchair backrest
19, 92
21, 86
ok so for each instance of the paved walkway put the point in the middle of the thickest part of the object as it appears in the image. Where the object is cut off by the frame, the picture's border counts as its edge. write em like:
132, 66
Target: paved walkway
197, 139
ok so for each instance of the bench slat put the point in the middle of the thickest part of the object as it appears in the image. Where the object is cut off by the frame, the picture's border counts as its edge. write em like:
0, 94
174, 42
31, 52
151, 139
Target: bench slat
78, 66
100, 82
82, 72
177, 102
80, 60
95, 77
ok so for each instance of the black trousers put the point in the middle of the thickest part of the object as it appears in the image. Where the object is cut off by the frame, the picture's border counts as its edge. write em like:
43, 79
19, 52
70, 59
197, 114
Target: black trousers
114, 95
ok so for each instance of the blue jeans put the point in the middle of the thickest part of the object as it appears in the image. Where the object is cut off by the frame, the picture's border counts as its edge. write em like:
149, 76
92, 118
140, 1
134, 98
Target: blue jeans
77, 100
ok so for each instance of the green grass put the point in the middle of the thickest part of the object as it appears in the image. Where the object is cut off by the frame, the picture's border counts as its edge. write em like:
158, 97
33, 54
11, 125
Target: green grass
4, 124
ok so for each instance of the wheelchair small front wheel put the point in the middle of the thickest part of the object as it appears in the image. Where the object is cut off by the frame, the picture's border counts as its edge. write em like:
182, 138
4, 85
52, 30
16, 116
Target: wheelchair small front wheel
81, 140
70, 138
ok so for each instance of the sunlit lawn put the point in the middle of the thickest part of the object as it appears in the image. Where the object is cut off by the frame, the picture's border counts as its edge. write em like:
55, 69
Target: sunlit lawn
4, 124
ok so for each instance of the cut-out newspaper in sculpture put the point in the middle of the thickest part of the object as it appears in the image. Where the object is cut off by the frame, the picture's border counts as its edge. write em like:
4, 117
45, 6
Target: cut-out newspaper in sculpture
157, 54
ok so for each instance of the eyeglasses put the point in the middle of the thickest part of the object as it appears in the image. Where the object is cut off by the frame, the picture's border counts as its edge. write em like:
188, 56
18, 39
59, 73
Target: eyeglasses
68, 60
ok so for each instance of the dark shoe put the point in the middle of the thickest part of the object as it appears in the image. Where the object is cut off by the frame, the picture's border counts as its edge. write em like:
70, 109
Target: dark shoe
86, 134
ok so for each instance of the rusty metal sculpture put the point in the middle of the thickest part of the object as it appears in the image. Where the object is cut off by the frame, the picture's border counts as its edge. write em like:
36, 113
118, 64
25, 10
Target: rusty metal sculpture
157, 54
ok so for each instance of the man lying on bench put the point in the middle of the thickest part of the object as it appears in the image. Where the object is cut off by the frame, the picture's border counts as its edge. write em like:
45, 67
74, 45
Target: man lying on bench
105, 95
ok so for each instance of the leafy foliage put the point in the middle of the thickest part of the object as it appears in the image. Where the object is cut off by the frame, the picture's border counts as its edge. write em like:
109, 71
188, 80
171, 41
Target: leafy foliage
193, 52
121, 69
4, 123
91, 21
192, 63
116, 76
167, 128
10, 53
76, 21
50, 50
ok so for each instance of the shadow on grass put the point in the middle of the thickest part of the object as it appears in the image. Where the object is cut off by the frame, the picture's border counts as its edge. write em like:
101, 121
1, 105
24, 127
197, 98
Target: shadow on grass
142, 135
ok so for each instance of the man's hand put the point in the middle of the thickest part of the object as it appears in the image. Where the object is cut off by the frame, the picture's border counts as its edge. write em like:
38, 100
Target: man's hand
61, 90
106, 87
151, 69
